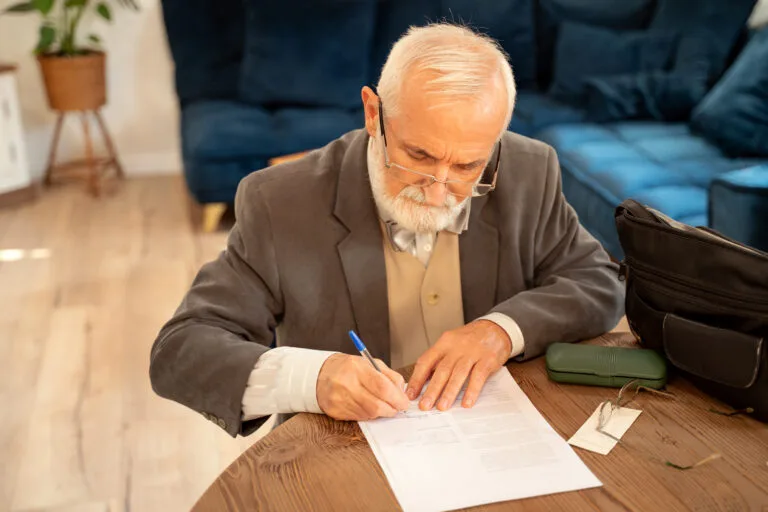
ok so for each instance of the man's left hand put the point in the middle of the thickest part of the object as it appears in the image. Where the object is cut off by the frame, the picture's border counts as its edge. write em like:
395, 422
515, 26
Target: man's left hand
475, 352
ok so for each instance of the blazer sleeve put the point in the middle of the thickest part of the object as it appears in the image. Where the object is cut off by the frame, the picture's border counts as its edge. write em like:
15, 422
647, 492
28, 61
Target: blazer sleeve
575, 292
204, 354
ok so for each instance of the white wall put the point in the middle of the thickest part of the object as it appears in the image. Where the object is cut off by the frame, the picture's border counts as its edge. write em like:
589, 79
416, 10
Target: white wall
142, 110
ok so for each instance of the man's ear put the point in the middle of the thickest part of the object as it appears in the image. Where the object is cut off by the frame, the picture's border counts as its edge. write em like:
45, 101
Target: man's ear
371, 110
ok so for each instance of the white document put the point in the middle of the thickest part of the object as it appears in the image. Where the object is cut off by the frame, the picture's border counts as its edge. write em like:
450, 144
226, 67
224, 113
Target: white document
500, 449
589, 438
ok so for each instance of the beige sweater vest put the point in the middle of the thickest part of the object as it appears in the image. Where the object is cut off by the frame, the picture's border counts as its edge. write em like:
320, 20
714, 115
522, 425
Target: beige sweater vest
423, 302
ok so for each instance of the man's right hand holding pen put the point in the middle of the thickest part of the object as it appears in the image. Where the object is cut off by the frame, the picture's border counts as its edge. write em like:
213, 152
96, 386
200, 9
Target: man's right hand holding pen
350, 388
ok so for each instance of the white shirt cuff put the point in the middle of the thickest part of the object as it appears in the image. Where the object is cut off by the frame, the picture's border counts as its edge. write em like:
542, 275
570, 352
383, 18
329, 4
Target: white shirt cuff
284, 380
512, 330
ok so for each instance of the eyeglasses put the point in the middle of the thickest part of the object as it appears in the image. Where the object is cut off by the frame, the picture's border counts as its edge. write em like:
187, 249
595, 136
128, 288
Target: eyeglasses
627, 394
472, 185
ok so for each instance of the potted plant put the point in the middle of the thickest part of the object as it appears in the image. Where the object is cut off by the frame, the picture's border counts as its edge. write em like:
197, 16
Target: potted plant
72, 68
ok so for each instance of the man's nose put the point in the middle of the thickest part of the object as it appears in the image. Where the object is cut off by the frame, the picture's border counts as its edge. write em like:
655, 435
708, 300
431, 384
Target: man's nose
436, 194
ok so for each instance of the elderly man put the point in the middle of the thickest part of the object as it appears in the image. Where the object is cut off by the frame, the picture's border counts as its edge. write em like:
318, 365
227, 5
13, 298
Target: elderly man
443, 239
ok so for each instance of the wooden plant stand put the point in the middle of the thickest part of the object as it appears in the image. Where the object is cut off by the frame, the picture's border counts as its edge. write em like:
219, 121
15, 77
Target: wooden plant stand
91, 168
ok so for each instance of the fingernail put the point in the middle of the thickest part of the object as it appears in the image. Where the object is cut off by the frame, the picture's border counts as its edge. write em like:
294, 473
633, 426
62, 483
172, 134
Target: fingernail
411, 393
469, 402
426, 403
443, 404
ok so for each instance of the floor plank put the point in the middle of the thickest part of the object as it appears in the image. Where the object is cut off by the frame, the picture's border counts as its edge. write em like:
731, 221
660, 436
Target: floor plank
85, 284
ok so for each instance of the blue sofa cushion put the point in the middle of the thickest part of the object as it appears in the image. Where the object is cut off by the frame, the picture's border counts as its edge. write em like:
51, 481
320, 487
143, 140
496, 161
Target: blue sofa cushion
585, 51
307, 53
657, 95
219, 130
223, 141
708, 33
739, 206
735, 113
659, 164
709, 30
535, 112
549, 14
206, 41
393, 17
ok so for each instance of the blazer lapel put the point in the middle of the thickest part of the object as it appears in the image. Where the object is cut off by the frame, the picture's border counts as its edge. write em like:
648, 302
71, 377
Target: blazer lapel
361, 251
479, 253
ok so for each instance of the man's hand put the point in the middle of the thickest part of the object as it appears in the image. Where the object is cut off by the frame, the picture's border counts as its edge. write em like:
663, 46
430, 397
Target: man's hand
475, 351
349, 388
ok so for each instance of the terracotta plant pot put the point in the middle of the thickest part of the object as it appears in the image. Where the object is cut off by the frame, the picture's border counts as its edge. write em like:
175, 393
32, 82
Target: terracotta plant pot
74, 83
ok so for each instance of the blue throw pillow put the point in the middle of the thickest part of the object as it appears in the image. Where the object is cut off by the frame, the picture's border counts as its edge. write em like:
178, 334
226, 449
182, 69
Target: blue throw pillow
307, 53
709, 31
549, 14
584, 51
734, 114
658, 95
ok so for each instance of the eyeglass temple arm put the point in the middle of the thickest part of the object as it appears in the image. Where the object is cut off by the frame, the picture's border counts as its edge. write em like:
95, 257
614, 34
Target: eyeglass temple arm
495, 167
381, 114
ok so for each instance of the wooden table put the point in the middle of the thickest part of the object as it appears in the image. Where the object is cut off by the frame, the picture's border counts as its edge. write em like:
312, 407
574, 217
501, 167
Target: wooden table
314, 463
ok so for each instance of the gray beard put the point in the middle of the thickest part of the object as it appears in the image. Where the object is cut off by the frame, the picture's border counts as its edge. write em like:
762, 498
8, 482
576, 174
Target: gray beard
407, 208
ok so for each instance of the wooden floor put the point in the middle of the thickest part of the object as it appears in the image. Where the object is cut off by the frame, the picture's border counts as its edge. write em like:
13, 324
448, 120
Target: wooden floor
85, 284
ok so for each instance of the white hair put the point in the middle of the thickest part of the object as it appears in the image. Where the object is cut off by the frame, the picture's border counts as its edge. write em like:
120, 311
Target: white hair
463, 63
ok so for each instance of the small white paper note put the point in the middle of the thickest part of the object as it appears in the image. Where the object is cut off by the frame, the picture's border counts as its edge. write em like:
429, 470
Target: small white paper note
589, 438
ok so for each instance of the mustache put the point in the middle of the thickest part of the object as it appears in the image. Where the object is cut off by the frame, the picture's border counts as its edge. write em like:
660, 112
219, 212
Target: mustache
417, 195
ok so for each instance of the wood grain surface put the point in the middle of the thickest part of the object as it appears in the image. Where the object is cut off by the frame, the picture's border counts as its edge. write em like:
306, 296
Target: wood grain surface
85, 285
314, 463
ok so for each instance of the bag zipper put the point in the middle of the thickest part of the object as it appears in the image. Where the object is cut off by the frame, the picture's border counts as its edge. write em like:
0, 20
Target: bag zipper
723, 309
711, 236
623, 270
756, 305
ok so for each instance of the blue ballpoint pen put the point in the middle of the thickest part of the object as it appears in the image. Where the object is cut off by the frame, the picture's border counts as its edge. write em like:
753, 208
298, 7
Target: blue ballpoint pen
360, 346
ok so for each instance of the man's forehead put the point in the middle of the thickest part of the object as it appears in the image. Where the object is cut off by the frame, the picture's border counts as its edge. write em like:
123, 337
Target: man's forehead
464, 121
452, 127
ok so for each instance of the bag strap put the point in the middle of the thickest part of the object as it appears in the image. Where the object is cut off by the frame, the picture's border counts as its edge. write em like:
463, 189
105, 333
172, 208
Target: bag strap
635, 209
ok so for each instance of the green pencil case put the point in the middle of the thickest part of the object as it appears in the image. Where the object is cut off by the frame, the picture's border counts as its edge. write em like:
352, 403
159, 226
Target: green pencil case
594, 365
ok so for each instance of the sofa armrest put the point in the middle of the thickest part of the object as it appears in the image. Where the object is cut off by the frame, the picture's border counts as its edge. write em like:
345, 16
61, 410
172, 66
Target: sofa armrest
738, 205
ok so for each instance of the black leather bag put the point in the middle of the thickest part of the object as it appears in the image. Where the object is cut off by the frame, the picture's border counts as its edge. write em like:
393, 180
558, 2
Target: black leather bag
701, 299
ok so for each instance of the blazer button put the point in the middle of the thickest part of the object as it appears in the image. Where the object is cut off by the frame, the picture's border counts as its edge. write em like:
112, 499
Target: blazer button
433, 298
206, 415
222, 423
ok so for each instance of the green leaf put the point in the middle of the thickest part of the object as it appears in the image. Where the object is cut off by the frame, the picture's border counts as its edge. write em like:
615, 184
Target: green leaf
104, 11
75, 3
94, 39
44, 6
47, 37
21, 7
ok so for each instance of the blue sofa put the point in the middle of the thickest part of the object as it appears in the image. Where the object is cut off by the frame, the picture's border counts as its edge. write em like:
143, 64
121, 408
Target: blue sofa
257, 80
709, 167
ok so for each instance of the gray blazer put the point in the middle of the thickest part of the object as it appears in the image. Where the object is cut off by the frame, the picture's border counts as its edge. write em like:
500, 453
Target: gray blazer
306, 254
